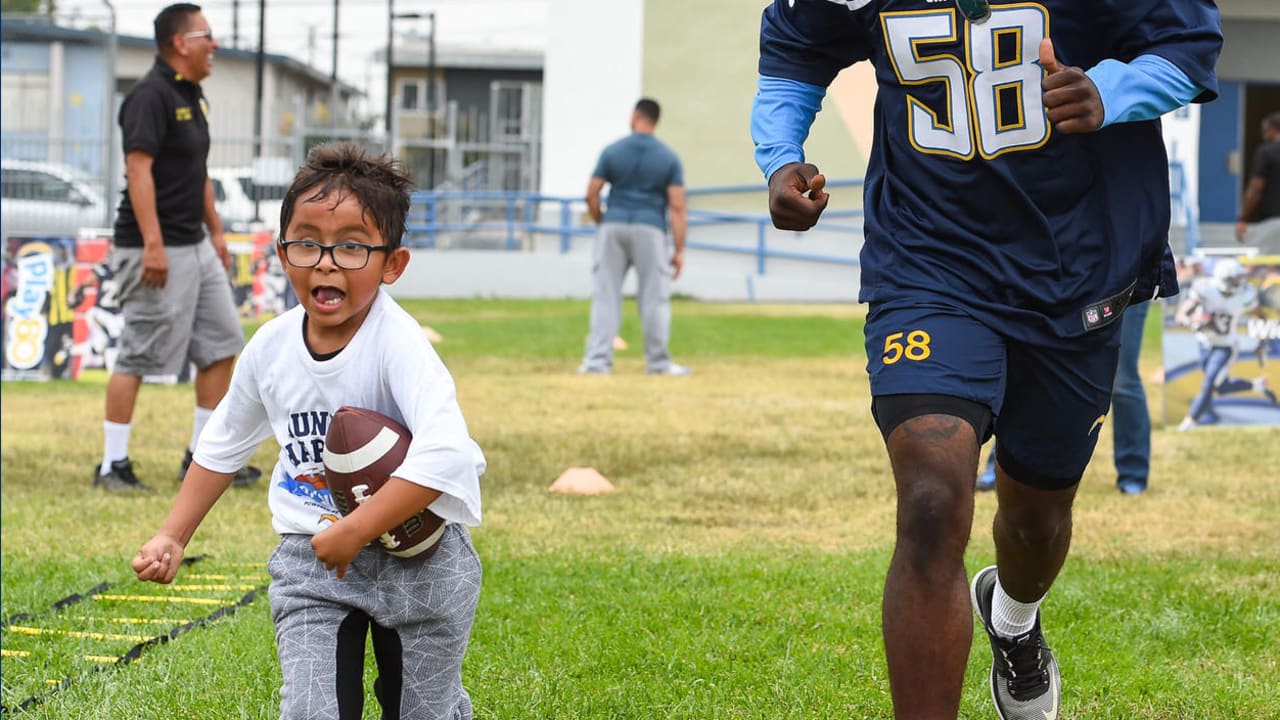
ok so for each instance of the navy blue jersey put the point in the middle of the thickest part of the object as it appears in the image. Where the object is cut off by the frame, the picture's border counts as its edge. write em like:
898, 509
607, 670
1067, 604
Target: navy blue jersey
971, 198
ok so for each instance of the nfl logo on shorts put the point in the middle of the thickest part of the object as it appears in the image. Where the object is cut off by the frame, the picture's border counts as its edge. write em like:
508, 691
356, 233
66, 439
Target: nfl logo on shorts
1091, 315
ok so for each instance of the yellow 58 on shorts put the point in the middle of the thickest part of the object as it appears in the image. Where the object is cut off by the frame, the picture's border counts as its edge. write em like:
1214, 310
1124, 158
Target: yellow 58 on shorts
908, 345
1046, 403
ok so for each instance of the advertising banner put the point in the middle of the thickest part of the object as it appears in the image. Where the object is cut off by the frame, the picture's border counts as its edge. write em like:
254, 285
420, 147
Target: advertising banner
38, 273
1222, 342
61, 310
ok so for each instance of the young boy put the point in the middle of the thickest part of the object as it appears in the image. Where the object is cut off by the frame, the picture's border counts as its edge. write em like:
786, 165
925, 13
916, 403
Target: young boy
347, 343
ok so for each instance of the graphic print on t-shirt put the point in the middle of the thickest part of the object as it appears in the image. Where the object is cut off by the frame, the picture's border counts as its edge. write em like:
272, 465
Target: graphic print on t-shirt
305, 475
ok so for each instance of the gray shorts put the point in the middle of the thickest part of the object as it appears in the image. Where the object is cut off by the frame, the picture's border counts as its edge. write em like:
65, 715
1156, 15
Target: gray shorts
420, 610
1265, 236
192, 317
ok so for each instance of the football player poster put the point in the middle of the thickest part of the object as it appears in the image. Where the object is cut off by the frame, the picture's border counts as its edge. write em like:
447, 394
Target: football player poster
1222, 343
61, 311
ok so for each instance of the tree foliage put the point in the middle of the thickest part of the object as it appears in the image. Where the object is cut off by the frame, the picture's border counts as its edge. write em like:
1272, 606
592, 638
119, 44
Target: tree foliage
28, 6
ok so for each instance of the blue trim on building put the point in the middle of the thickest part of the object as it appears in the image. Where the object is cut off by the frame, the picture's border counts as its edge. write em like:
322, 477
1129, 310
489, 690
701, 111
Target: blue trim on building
1220, 123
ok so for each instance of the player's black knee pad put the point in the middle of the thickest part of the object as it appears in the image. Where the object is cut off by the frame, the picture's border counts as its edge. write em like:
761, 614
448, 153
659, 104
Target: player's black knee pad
890, 411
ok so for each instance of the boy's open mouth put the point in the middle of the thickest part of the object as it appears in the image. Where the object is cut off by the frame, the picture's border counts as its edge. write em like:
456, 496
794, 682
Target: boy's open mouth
327, 295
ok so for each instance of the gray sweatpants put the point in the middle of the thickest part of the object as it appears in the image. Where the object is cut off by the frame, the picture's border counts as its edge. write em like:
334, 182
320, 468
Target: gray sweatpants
419, 611
620, 246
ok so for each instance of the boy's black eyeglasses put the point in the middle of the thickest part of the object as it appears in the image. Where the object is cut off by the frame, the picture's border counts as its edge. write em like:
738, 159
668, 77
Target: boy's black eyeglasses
974, 10
346, 255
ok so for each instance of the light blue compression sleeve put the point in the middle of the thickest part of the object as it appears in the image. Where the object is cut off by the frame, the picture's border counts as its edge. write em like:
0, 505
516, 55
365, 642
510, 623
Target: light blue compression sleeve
1143, 89
781, 114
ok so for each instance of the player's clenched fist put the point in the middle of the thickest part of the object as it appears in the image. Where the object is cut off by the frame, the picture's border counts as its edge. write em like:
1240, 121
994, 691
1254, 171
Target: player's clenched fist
796, 199
1071, 100
158, 560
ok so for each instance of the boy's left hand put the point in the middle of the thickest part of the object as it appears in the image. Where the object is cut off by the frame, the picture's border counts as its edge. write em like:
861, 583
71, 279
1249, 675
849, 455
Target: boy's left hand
336, 547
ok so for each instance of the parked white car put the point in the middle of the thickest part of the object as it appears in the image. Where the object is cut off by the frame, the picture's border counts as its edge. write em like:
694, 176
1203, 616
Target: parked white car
48, 199
234, 191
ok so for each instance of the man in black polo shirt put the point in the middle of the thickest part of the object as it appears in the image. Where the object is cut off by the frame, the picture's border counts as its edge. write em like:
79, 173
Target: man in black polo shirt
1261, 202
174, 289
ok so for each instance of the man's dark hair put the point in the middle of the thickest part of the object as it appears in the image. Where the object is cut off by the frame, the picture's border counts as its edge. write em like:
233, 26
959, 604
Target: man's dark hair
171, 21
649, 109
333, 170
1272, 121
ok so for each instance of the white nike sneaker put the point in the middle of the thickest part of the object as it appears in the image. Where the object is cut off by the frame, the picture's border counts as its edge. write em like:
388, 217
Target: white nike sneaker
1024, 676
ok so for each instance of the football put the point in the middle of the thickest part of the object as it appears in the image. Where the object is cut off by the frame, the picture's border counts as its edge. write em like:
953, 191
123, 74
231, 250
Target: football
361, 450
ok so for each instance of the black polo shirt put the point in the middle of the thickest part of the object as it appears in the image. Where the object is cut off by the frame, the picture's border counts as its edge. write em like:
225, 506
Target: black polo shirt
164, 117
1266, 165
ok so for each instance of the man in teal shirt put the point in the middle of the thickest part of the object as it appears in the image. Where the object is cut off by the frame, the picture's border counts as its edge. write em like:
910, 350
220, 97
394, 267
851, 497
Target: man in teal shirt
646, 199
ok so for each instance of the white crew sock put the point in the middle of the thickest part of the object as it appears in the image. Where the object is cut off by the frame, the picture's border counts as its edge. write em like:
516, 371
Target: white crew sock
197, 427
115, 445
1009, 617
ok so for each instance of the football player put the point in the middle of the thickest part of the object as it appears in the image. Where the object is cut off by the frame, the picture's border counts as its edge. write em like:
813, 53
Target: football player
1016, 200
1213, 308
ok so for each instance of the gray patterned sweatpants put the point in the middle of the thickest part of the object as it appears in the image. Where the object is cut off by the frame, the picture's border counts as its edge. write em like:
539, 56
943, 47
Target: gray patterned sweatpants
419, 611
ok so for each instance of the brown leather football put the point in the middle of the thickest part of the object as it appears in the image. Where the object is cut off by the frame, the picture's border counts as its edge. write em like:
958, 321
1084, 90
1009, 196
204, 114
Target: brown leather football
361, 451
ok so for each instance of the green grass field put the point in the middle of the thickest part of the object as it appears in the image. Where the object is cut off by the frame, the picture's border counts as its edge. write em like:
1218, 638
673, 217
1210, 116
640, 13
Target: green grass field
735, 573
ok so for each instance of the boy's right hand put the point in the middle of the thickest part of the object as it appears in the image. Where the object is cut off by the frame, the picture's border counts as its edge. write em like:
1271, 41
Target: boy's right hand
796, 198
337, 545
158, 560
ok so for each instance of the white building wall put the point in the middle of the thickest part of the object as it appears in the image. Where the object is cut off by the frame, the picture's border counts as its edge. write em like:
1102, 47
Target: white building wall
591, 81
133, 61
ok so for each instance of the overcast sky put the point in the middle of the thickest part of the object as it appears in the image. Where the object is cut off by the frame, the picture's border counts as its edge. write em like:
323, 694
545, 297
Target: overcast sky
303, 29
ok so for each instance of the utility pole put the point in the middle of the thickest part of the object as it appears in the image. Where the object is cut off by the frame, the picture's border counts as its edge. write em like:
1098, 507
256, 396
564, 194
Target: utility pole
333, 76
235, 24
108, 109
431, 62
391, 21
259, 67
431, 98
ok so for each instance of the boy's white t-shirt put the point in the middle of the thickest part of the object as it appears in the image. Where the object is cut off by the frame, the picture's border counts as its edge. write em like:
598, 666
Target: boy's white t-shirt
278, 389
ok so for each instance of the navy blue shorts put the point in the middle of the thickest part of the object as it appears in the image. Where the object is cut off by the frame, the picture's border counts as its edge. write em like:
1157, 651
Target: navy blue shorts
1048, 404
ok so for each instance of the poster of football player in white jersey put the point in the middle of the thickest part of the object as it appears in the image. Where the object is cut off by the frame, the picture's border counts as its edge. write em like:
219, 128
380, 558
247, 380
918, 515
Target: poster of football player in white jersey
103, 320
1222, 344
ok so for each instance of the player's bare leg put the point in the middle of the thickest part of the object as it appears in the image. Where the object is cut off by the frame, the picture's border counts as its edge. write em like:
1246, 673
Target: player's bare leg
926, 622
1032, 532
122, 395
212, 382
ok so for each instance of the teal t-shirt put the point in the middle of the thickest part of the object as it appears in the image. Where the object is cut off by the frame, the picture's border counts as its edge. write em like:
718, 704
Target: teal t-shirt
639, 168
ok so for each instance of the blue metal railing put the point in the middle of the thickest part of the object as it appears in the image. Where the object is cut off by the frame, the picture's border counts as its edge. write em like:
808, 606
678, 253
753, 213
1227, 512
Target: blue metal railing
515, 215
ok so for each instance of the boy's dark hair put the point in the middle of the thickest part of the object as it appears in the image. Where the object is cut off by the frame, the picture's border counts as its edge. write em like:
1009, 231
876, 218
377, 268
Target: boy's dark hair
171, 21
379, 184
649, 109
